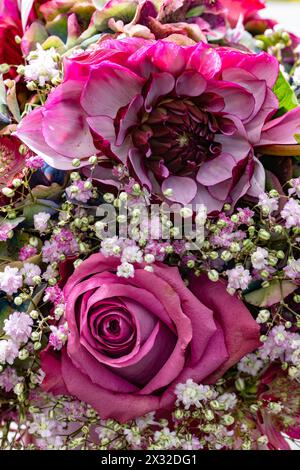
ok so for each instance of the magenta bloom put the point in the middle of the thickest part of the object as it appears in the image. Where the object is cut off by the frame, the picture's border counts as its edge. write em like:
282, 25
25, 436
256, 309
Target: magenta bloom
131, 341
248, 9
186, 119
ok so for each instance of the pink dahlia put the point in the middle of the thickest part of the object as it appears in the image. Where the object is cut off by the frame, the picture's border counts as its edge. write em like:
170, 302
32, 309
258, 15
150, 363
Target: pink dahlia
184, 119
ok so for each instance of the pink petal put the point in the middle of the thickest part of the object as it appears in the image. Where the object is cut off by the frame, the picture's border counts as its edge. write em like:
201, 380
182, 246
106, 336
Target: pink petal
190, 83
183, 189
103, 126
254, 126
163, 56
64, 125
263, 66
161, 84
217, 170
282, 130
109, 88
29, 131
258, 180
204, 197
205, 60
238, 101
257, 88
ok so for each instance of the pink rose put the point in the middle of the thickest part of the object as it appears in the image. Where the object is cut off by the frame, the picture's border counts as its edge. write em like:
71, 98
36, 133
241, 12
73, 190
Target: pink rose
132, 340
186, 119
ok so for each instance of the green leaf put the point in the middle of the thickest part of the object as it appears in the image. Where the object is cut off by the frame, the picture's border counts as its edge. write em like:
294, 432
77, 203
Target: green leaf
275, 293
122, 11
12, 102
285, 94
297, 138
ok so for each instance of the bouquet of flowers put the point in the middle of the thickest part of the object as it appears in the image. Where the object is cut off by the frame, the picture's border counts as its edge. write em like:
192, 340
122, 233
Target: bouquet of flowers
149, 226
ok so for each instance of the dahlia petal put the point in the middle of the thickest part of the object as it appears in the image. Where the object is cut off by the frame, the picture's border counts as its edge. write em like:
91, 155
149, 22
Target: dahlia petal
257, 88
238, 101
203, 197
235, 145
258, 180
282, 130
263, 66
255, 125
183, 189
204, 60
103, 126
129, 119
136, 160
217, 170
221, 190
64, 125
161, 84
163, 56
190, 83
29, 132
109, 88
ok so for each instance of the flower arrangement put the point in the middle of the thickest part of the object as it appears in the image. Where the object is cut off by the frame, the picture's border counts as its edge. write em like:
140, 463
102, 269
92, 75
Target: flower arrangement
149, 226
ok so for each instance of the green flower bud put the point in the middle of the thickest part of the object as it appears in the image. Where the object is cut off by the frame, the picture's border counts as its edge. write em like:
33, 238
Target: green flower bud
280, 254
209, 415
23, 354
190, 264
33, 241
235, 218
228, 420
240, 384
248, 244
93, 160
213, 275
178, 414
226, 256
213, 255
215, 405
17, 182
18, 301
34, 314
278, 229
76, 162
264, 235
4, 68
8, 192
235, 247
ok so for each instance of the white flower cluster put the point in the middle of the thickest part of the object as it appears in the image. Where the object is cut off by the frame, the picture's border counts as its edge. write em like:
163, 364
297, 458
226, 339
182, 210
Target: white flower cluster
18, 328
43, 66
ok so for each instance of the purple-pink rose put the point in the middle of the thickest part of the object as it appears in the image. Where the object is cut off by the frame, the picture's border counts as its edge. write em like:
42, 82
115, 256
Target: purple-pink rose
187, 121
132, 340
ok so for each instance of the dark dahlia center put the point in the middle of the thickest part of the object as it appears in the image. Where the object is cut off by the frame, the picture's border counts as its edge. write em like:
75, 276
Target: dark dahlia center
178, 136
